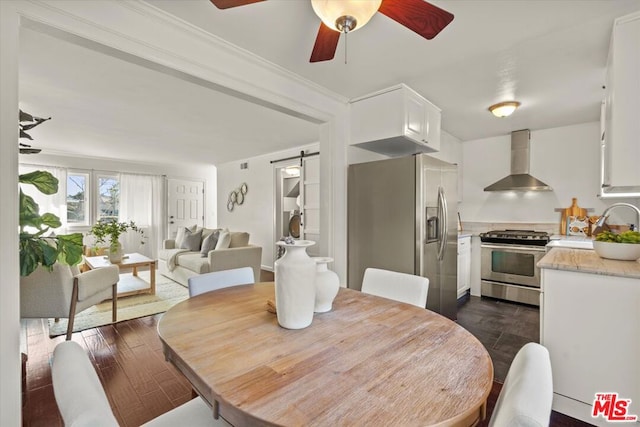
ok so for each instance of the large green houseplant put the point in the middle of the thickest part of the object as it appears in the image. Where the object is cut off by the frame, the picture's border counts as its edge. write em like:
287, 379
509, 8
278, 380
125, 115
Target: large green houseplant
38, 244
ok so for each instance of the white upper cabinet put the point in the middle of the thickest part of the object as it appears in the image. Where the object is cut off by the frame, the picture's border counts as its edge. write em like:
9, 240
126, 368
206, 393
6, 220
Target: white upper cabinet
621, 143
396, 121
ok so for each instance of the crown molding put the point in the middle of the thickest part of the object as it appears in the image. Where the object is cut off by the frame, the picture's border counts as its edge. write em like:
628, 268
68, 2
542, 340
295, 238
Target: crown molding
151, 11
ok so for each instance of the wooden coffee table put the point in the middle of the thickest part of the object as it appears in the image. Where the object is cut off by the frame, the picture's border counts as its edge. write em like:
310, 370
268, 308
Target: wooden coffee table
129, 285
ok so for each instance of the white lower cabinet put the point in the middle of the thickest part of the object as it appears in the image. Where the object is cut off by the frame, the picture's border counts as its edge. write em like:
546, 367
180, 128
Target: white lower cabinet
464, 265
590, 323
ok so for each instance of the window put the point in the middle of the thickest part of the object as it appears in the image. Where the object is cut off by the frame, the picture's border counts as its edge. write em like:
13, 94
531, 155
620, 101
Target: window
77, 198
92, 197
108, 197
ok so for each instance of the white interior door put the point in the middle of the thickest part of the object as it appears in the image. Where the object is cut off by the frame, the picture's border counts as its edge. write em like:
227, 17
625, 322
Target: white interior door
185, 201
310, 201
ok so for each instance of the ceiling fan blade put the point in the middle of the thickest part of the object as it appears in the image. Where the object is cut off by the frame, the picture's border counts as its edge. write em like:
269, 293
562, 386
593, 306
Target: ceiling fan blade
326, 43
417, 15
226, 4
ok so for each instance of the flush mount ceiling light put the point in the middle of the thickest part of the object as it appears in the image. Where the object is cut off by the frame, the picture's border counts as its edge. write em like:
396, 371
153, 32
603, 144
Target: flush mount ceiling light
504, 109
345, 16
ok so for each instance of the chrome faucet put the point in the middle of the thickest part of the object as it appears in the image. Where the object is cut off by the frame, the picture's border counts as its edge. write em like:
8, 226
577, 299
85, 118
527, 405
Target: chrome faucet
603, 219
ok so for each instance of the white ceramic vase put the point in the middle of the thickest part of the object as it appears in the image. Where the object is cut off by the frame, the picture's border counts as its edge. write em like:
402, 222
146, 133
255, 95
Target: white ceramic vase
327, 285
295, 277
115, 253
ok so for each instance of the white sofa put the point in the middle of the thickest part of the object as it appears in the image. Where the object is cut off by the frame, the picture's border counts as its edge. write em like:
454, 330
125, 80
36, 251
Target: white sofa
179, 264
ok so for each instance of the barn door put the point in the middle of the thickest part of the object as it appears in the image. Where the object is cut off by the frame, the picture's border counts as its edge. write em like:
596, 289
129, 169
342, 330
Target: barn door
185, 204
310, 200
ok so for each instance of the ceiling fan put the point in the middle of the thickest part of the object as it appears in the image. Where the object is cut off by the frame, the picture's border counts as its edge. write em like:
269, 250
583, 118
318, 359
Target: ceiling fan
349, 15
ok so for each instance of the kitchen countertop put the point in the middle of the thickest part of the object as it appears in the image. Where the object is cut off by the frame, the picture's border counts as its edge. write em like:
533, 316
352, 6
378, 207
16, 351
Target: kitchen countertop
587, 261
462, 234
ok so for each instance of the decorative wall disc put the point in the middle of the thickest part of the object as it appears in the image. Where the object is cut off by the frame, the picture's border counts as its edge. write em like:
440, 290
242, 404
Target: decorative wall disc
236, 197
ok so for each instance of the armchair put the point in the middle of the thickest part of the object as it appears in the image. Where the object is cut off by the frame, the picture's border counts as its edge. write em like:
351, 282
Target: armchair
65, 291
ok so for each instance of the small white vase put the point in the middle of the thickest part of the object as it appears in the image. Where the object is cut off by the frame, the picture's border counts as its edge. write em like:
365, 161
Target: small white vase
327, 285
115, 253
295, 277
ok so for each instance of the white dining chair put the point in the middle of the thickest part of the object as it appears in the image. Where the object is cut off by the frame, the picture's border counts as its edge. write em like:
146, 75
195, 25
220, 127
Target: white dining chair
219, 279
83, 403
396, 286
527, 393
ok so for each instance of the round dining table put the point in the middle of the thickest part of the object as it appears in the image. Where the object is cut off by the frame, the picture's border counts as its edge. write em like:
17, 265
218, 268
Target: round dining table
370, 361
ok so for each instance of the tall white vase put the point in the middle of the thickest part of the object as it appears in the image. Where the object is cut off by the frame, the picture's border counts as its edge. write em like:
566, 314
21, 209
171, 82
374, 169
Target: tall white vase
115, 253
327, 285
295, 276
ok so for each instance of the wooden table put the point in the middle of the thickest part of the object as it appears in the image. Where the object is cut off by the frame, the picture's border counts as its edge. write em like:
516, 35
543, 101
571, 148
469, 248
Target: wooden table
370, 361
129, 285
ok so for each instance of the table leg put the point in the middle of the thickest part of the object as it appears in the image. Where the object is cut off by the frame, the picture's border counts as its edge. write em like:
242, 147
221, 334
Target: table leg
152, 271
135, 271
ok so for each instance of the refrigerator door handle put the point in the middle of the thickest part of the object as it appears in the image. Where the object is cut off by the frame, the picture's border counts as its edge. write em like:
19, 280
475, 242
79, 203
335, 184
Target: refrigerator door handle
442, 213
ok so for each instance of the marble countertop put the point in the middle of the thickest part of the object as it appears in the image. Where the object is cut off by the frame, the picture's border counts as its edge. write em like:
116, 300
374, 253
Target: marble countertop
587, 261
462, 234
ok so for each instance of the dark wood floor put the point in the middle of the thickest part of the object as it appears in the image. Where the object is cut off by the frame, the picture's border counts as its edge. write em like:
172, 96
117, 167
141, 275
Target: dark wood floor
140, 385
503, 328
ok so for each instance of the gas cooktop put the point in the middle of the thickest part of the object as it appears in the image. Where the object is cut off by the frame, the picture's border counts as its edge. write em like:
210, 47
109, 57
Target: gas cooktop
519, 237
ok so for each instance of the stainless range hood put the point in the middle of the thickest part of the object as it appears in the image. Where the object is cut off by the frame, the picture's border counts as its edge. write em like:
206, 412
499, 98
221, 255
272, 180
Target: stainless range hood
519, 179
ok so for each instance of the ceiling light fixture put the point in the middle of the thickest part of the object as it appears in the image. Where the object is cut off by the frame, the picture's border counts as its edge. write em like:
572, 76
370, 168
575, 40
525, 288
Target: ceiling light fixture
345, 16
504, 109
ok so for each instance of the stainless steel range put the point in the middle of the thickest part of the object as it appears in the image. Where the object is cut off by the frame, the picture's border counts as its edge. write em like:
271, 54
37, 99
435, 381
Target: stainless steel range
508, 264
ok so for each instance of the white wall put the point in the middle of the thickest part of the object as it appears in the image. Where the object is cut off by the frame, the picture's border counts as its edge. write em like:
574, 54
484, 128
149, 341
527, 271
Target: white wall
450, 149
566, 158
9, 271
206, 173
256, 214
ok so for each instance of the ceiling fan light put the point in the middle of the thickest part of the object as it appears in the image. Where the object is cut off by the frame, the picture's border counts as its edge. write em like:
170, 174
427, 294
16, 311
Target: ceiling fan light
504, 109
331, 11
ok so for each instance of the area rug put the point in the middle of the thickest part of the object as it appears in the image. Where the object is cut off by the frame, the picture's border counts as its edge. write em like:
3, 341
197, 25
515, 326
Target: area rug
168, 293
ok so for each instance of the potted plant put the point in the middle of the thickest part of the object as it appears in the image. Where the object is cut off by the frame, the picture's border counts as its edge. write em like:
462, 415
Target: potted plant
110, 229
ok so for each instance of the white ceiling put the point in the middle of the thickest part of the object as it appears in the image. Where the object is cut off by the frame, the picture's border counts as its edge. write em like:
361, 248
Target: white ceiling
106, 107
549, 55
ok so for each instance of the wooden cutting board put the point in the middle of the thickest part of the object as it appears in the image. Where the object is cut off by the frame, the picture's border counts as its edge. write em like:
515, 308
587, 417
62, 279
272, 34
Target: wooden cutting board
573, 210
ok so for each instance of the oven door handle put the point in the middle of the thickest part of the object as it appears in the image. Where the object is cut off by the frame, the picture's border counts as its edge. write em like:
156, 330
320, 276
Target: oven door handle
514, 247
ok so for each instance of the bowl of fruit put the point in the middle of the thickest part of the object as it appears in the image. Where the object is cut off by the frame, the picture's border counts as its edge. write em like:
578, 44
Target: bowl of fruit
624, 246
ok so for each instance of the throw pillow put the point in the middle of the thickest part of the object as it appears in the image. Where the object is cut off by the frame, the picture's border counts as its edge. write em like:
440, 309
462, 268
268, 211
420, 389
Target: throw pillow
180, 234
209, 243
224, 240
191, 240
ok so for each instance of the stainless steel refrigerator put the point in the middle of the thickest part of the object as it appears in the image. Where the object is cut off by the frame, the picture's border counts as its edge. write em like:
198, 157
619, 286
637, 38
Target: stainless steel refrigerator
402, 216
